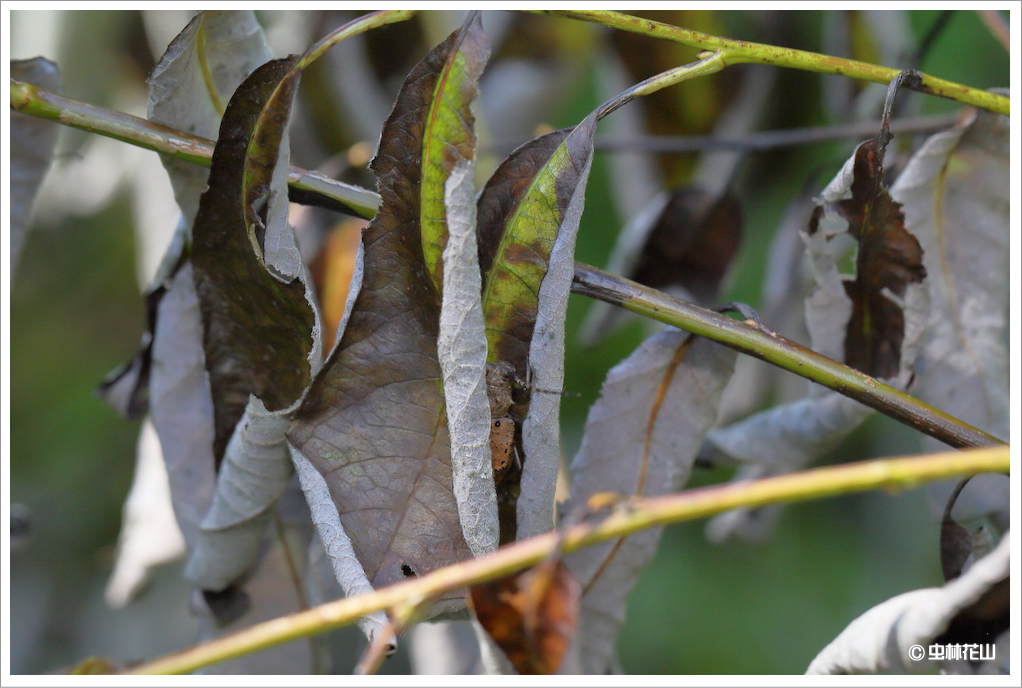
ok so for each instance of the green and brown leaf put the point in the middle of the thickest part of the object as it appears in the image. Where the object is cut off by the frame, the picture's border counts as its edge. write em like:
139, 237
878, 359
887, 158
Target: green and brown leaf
374, 422
257, 327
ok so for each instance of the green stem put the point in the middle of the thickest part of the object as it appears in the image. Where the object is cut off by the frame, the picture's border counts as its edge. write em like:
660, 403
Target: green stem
736, 52
782, 352
366, 22
34, 101
704, 67
627, 517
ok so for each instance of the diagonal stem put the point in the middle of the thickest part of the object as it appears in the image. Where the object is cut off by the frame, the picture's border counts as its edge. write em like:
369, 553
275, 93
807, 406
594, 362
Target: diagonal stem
782, 352
627, 517
304, 185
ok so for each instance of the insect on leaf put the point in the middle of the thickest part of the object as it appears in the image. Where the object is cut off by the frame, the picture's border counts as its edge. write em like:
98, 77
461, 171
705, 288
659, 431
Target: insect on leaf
528, 217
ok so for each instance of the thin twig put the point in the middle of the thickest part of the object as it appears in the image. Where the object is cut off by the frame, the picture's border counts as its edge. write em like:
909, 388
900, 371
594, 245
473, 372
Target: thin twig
763, 140
773, 348
628, 517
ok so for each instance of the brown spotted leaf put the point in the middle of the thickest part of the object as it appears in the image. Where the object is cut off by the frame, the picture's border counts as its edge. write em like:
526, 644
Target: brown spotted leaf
889, 258
374, 422
257, 324
532, 615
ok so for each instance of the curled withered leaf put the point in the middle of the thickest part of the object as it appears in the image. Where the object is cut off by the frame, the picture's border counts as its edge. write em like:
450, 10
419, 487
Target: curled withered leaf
910, 633
188, 90
889, 258
531, 615
257, 327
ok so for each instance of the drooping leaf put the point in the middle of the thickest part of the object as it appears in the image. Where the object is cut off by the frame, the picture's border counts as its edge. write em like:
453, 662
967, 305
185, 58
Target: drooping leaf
641, 438
272, 589
254, 473
257, 328
528, 217
889, 258
956, 197
532, 615
192, 83
188, 89
32, 141
896, 635
541, 431
461, 348
374, 422
182, 404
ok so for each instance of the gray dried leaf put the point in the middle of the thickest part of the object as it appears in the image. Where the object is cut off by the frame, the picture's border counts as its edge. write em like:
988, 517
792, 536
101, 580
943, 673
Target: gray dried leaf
254, 473
642, 436
461, 347
32, 141
193, 82
541, 435
895, 636
346, 567
182, 404
956, 196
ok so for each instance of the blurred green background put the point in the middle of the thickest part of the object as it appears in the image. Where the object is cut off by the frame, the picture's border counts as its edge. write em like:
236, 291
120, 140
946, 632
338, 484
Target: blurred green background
76, 313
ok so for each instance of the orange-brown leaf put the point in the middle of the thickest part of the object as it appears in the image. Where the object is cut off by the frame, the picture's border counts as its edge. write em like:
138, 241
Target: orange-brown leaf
532, 615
